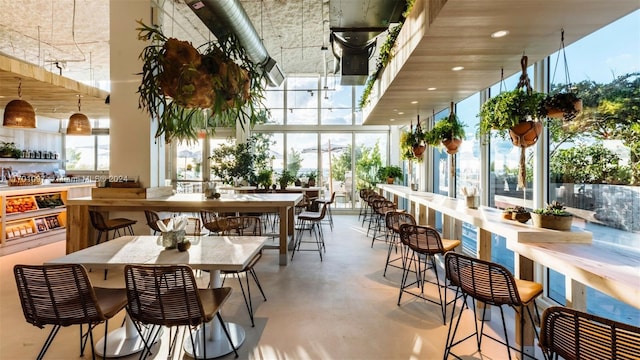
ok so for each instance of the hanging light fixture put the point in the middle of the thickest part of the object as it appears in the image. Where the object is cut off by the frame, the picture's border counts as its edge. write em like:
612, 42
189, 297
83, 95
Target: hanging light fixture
79, 123
19, 113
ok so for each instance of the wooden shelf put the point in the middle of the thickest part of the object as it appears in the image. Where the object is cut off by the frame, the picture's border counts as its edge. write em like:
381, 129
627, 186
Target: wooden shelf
26, 161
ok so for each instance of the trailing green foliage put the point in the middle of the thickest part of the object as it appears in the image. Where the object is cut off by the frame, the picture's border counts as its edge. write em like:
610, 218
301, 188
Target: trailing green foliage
446, 129
508, 109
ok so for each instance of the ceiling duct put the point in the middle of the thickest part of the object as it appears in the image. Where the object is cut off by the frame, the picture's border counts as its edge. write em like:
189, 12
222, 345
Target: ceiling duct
354, 26
224, 17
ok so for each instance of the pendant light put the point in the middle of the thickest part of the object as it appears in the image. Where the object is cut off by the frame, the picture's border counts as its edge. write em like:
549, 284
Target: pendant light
79, 123
19, 113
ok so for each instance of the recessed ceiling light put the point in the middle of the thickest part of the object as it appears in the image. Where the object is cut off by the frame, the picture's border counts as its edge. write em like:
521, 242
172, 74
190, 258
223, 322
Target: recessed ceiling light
392, 119
457, 68
395, 109
431, 89
414, 102
500, 33
401, 113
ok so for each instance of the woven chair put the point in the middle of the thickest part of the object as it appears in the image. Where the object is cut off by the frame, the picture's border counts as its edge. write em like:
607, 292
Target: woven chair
367, 212
491, 284
312, 221
214, 222
393, 220
380, 208
575, 335
422, 244
152, 220
168, 296
62, 295
246, 226
103, 225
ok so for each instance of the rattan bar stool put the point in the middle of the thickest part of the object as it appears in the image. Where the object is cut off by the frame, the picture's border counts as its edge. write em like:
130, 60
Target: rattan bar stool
369, 197
491, 284
574, 334
380, 208
329, 202
423, 243
62, 295
393, 220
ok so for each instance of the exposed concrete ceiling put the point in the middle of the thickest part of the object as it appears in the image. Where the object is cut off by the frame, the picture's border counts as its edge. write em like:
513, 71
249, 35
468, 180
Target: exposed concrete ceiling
44, 32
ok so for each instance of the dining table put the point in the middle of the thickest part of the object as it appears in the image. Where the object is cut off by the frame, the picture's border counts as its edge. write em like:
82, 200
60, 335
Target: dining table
80, 232
210, 253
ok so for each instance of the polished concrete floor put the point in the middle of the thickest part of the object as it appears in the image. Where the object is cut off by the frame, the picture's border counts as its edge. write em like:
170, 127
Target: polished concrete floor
340, 308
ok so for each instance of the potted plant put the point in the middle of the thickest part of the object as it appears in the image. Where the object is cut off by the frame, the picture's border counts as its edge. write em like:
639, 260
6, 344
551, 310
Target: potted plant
562, 105
449, 132
553, 216
311, 178
390, 173
517, 213
413, 143
286, 178
9, 150
180, 82
264, 178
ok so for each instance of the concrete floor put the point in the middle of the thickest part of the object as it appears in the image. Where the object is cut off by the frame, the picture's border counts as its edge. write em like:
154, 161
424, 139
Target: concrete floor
341, 308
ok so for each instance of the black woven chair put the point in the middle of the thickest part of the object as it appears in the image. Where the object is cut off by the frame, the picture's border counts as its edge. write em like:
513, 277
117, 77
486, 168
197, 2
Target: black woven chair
422, 244
393, 220
103, 225
576, 335
168, 296
62, 295
491, 284
246, 226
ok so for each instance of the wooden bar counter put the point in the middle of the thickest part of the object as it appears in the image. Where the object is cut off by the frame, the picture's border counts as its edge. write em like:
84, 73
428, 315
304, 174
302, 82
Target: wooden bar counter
79, 226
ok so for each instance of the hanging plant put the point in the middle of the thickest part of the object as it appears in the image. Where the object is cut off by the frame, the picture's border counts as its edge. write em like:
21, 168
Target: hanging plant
449, 132
518, 111
188, 89
564, 104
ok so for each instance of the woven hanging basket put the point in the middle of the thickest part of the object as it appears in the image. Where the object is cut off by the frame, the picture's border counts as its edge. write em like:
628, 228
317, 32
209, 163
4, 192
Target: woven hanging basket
452, 145
20, 114
525, 133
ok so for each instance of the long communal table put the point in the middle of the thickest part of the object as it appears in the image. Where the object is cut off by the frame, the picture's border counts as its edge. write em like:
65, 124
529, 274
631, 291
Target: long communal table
79, 230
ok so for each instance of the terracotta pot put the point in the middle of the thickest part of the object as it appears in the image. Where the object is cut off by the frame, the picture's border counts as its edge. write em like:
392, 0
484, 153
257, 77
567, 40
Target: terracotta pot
452, 145
525, 133
507, 215
390, 180
553, 222
419, 149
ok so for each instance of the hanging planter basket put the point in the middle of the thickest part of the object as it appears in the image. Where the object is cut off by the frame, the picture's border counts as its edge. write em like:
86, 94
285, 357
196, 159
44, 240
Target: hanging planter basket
566, 104
525, 133
452, 145
418, 149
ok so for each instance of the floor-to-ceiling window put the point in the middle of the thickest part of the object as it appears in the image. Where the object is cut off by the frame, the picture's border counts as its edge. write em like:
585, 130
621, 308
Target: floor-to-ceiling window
594, 158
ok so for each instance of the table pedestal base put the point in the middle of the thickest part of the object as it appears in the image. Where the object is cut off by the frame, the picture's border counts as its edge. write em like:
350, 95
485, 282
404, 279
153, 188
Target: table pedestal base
121, 342
216, 347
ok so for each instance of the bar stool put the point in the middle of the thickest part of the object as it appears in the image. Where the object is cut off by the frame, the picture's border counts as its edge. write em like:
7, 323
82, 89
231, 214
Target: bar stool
329, 202
104, 226
394, 220
310, 220
422, 244
491, 284
380, 208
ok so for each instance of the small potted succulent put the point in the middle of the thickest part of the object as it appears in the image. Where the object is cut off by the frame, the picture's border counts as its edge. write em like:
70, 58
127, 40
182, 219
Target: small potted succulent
517, 213
553, 216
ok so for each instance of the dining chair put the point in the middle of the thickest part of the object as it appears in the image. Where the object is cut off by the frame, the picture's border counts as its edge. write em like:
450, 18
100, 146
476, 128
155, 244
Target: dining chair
215, 222
422, 244
103, 225
167, 295
62, 295
152, 220
574, 334
490, 284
